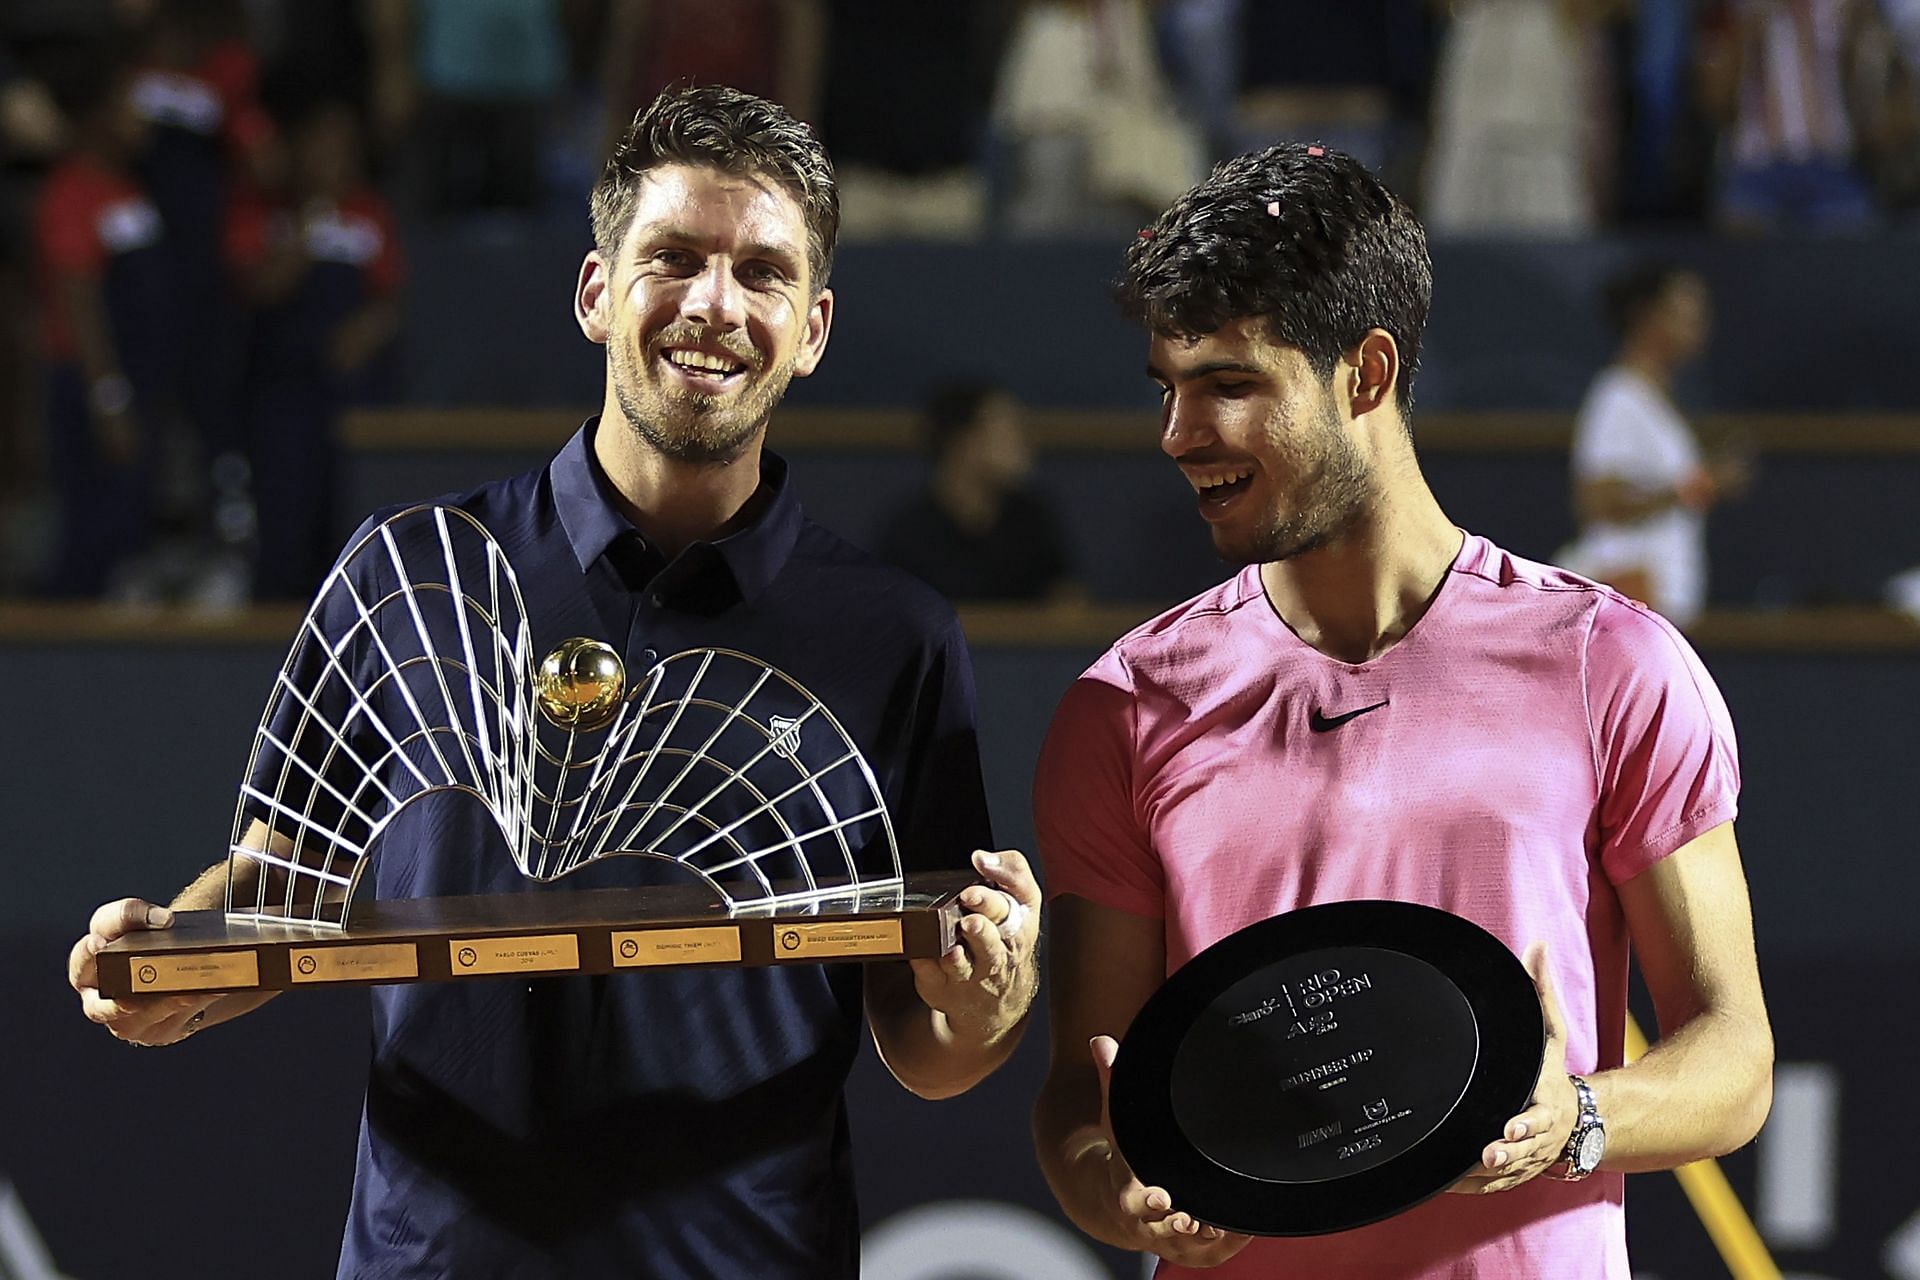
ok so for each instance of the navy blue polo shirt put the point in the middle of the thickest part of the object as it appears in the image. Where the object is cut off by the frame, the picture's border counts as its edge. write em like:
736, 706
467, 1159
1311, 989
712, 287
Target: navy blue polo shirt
670, 1124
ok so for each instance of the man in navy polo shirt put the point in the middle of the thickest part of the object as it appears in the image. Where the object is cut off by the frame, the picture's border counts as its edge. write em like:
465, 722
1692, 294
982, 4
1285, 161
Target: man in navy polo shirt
690, 1123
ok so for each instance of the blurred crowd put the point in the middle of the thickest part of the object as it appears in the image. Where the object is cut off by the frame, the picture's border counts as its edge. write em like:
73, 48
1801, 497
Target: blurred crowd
203, 202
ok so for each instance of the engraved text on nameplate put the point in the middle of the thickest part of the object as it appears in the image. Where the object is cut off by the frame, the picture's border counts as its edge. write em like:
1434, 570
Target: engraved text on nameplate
364, 962
533, 953
641, 947
203, 972
838, 939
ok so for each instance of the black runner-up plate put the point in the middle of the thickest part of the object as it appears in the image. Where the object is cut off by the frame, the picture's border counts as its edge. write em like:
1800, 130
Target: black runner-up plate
1327, 1068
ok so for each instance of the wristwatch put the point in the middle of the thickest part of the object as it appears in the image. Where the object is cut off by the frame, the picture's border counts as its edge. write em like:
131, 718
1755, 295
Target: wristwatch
1587, 1144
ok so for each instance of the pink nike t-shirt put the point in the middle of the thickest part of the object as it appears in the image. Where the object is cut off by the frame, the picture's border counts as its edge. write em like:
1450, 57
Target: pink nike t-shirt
1535, 740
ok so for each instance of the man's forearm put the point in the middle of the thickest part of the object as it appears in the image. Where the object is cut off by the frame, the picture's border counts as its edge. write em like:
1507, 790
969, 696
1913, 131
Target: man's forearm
209, 892
924, 1051
1074, 1154
1703, 1091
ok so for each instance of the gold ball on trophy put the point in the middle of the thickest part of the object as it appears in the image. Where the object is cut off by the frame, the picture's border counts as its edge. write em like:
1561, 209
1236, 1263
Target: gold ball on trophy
580, 684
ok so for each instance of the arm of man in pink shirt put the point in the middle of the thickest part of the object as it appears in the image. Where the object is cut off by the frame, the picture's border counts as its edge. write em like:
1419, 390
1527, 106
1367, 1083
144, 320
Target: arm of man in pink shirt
1103, 964
1705, 1087
1667, 773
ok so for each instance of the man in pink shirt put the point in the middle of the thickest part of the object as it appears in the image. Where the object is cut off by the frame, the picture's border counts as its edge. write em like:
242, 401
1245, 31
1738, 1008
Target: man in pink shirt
1382, 706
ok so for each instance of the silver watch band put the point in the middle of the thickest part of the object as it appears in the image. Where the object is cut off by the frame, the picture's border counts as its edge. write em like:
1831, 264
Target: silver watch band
1584, 1123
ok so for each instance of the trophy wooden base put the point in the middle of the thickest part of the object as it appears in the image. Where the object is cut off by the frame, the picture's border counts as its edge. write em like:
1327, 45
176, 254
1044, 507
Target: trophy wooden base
532, 935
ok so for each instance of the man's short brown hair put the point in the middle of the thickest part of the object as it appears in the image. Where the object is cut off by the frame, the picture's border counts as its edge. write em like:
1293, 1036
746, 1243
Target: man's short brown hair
736, 133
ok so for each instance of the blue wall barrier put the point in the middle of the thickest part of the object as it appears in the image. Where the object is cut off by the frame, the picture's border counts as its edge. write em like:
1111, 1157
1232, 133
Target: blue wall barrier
230, 1156
1800, 323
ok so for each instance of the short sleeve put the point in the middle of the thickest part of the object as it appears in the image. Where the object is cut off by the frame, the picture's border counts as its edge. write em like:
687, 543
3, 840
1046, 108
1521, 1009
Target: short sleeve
1664, 746
1092, 843
1610, 437
388, 270
941, 813
65, 227
245, 235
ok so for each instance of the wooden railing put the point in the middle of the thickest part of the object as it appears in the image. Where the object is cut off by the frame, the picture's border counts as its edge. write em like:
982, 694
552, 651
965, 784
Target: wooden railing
1119, 431
988, 626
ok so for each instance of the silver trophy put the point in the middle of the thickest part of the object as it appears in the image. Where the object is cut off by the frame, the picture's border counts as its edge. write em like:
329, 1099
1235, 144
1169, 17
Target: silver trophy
414, 681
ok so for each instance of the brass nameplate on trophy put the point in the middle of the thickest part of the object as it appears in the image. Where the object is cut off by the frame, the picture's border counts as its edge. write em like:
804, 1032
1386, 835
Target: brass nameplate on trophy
542, 953
550, 932
229, 970
367, 962
832, 941
645, 948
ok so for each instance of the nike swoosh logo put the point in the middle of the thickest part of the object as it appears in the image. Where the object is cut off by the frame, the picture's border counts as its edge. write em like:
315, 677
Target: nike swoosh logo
1321, 723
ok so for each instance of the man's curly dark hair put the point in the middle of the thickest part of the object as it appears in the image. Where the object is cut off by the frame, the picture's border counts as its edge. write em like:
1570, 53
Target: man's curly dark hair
721, 128
1302, 236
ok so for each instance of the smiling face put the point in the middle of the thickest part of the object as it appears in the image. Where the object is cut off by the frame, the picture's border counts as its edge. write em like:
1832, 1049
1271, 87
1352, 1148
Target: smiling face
707, 312
1260, 437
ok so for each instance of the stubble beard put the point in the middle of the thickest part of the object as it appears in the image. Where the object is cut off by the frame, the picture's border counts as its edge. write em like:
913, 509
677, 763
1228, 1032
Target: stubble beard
700, 429
1338, 491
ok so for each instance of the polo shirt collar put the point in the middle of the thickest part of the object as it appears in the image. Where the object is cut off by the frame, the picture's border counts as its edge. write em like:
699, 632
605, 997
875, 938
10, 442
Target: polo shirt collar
753, 555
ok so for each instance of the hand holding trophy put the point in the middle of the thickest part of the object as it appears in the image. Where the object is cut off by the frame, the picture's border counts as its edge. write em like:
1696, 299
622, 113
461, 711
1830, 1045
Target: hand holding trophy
413, 677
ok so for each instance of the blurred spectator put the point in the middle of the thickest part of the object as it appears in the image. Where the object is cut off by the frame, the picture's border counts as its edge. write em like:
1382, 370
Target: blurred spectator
1201, 47
1889, 74
1786, 81
979, 532
1641, 485
1087, 118
30, 123
1519, 142
312, 49
108, 332
472, 84
1902, 593
1667, 152
771, 48
197, 86
903, 109
322, 269
32, 132
1356, 76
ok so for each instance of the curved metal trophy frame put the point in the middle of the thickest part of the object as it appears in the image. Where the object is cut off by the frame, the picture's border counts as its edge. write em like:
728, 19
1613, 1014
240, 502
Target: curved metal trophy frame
414, 676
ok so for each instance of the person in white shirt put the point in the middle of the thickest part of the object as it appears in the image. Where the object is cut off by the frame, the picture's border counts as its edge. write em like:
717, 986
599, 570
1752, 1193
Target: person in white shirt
1642, 485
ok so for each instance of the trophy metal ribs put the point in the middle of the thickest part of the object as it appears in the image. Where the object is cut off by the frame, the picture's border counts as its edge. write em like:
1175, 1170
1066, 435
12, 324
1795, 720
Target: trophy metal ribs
413, 682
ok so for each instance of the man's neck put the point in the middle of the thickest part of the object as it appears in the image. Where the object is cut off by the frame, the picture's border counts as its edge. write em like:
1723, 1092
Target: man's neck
1355, 598
673, 503
1649, 364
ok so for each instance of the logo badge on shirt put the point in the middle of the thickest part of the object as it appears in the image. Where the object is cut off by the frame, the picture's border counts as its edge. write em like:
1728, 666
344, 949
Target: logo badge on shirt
184, 102
129, 224
338, 236
1320, 722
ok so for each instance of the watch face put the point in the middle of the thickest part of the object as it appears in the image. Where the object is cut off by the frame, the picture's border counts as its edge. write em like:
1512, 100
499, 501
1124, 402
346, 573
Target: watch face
1593, 1146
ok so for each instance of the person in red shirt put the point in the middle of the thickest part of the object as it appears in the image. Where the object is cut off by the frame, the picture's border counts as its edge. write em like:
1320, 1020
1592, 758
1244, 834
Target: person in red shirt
197, 85
112, 367
321, 268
